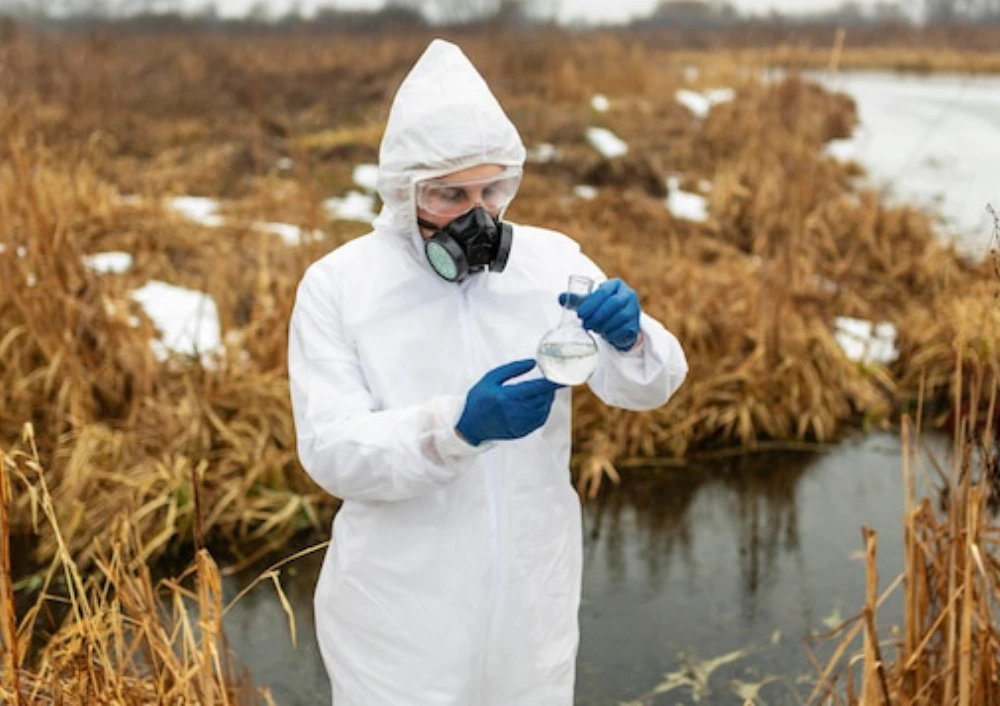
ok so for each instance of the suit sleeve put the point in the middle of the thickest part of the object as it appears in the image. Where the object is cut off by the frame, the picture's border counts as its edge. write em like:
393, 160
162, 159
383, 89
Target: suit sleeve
351, 449
644, 377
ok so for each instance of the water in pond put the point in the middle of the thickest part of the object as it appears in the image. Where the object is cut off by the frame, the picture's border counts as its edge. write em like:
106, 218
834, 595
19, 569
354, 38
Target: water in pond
732, 562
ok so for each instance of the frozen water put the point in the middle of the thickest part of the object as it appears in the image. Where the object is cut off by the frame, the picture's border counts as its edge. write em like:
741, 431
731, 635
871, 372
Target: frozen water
584, 191
934, 141
600, 103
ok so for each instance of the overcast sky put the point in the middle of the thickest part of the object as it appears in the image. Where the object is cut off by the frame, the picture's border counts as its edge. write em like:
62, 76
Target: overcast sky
592, 10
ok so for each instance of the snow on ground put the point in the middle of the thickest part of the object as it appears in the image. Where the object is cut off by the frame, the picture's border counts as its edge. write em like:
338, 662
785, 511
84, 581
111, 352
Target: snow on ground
684, 204
701, 103
289, 234
866, 342
114, 262
933, 141
606, 142
354, 206
600, 103
187, 320
199, 209
366, 176
585, 191
544, 152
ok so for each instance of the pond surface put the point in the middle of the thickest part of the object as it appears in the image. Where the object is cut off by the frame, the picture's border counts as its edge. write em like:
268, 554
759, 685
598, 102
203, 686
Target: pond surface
734, 561
933, 141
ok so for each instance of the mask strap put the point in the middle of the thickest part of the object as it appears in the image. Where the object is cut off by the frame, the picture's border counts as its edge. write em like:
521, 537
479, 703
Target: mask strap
429, 226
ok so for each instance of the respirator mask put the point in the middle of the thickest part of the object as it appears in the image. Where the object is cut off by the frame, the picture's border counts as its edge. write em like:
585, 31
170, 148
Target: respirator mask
472, 240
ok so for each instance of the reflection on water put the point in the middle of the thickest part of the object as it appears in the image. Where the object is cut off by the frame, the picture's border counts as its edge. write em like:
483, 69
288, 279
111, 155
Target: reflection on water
698, 583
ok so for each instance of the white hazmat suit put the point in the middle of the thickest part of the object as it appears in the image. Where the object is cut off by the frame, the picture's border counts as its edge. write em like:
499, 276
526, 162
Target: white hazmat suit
453, 576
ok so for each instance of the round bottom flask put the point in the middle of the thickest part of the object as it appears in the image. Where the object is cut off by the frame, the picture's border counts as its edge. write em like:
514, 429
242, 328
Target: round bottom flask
568, 353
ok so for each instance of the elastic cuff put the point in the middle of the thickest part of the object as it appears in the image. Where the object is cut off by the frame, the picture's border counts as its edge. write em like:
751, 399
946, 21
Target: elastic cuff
446, 440
637, 348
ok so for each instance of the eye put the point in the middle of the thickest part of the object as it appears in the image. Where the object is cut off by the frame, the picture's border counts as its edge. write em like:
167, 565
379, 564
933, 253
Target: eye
452, 194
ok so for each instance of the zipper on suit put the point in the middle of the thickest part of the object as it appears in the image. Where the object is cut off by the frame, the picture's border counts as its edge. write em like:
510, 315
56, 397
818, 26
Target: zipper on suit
492, 492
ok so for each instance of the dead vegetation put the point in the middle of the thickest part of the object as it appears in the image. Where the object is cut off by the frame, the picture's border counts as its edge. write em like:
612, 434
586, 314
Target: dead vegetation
117, 636
94, 134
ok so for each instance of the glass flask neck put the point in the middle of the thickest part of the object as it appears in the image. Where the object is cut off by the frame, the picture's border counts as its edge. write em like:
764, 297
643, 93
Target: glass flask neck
577, 290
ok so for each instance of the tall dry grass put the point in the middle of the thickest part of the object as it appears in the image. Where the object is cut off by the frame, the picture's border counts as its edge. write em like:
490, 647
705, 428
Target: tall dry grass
948, 649
118, 636
790, 244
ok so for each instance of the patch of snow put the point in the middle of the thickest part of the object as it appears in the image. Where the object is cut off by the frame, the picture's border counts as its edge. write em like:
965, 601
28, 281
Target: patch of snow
606, 142
600, 103
22, 252
31, 280
284, 164
584, 191
825, 285
705, 186
187, 320
199, 209
366, 176
843, 150
865, 342
545, 152
717, 96
3, 248
693, 101
114, 262
355, 206
701, 103
684, 204
691, 72
289, 234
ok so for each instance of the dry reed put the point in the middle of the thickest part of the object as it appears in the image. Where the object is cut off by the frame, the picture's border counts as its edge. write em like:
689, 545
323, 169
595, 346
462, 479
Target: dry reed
947, 650
122, 639
752, 293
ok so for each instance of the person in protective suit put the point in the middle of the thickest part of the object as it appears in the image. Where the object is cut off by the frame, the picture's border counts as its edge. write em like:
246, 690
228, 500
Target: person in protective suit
453, 575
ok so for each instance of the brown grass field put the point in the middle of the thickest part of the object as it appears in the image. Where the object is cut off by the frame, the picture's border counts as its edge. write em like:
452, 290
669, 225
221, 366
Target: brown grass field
127, 460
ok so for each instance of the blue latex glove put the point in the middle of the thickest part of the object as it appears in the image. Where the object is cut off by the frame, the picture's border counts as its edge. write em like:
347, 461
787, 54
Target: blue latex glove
612, 310
494, 410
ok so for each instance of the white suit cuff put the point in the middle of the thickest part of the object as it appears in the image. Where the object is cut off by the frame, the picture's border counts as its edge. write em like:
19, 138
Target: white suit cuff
447, 442
638, 348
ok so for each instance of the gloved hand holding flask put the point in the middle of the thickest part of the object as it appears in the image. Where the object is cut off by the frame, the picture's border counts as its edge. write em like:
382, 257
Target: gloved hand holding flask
494, 410
612, 311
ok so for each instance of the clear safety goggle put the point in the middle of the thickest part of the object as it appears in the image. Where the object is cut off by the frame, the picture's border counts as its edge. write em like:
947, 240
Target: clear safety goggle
450, 199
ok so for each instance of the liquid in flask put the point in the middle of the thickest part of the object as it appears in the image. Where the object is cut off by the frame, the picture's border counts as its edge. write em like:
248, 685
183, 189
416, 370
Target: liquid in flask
568, 353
